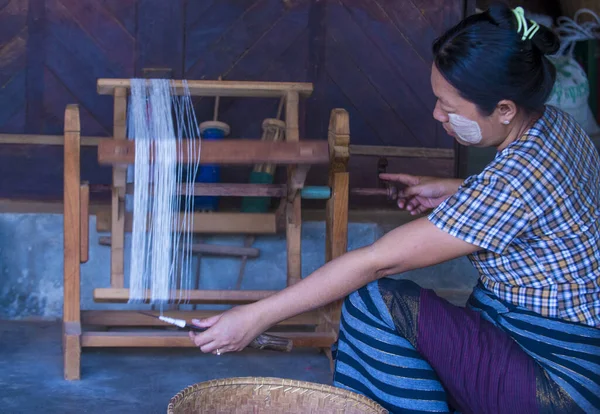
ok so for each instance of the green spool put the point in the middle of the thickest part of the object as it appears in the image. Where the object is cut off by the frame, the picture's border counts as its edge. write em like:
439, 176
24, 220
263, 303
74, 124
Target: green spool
257, 204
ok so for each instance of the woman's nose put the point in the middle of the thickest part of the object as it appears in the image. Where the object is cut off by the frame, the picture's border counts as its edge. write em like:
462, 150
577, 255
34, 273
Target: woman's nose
439, 115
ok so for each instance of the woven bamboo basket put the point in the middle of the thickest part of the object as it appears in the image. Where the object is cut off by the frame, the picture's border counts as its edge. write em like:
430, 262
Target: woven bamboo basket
269, 395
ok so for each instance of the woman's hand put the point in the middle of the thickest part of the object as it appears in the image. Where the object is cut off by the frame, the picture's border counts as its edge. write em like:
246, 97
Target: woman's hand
422, 193
230, 331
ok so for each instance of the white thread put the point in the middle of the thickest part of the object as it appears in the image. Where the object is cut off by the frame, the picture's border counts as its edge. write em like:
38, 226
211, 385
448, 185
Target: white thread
160, 120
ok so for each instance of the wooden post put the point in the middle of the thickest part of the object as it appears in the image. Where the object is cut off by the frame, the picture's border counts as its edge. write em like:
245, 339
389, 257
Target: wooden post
117, 260
293, 207
72, 246
84, 211
336, 213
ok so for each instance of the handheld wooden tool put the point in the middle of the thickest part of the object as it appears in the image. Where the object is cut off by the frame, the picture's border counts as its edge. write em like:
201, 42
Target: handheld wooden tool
263, 341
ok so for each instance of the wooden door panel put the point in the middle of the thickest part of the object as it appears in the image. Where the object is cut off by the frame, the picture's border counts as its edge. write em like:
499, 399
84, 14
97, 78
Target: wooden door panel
371, 57
13, 61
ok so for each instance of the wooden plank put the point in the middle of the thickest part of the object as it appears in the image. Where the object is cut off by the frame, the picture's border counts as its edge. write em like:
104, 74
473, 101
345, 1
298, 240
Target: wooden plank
320, 340
293, 209
34, 139
298, 177
71, 244
108, 33
13, 18
72, 232
401, 152
76, 59
417, 125
195, 10
207, 22
133, 318
166, 339
410, 21
222, 88
35, 66
336, 236
123, 11
57, 96
84, 214
176, 339
13, 55
229, 151
371, 105
335, 97
212, 222
227, 34
279, 56
377, 150
12, 98
208, 249
121, 295
117, 227
217, 189
160, 35
71, 344
391, 38
336, 210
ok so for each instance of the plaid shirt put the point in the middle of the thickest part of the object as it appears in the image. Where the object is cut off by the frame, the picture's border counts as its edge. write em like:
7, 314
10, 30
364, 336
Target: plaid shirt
535, 212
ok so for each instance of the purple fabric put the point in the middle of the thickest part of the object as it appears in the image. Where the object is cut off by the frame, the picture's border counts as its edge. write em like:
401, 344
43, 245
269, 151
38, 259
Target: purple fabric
483, 369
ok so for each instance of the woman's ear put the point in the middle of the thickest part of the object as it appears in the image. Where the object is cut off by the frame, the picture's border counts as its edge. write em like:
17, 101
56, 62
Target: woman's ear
506, 110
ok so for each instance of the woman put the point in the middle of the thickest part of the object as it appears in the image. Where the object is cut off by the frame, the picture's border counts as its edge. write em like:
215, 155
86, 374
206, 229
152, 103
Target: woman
529, 339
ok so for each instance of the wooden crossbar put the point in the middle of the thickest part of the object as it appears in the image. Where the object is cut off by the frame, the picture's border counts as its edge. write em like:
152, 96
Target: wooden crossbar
176, 339
213, 189
211, 223
121, 295
230, 151
222, 88
133, 318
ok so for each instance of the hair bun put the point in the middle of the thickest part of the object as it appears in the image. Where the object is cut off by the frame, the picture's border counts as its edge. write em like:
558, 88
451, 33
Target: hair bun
545, 40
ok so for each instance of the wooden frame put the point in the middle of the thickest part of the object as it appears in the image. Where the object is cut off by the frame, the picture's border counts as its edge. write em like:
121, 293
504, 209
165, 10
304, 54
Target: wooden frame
313, 329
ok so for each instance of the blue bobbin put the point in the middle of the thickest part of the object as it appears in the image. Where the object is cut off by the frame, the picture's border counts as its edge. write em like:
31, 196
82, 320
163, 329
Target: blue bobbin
207, 173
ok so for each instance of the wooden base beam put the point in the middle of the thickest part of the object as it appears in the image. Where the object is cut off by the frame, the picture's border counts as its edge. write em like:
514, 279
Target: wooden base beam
178, 339
121, 295
133, 318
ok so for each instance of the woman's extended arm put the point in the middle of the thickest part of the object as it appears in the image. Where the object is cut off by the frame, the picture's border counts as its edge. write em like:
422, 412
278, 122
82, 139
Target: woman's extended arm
414, 245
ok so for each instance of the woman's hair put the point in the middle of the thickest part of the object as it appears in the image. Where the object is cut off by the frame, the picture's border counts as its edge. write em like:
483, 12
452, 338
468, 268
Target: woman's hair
486, 60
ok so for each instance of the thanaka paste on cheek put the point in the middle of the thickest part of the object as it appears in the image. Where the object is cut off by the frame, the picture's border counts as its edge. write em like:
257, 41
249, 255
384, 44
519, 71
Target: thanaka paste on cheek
467, 130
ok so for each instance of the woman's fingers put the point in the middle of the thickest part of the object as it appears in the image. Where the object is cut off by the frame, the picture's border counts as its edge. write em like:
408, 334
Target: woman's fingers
208, 344
211, 348
208, 322
421, 209
400, 178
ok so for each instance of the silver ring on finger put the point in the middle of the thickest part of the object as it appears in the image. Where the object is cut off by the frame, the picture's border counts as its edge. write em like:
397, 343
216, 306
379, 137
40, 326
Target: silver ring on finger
218, 352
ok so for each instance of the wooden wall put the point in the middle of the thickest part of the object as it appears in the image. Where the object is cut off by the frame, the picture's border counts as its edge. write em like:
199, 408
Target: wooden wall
371, 57
550, 8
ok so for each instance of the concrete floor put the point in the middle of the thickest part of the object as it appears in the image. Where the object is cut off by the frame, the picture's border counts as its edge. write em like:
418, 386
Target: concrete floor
124, 380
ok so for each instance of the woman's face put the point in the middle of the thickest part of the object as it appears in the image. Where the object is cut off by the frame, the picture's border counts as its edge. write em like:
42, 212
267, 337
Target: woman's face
462, 120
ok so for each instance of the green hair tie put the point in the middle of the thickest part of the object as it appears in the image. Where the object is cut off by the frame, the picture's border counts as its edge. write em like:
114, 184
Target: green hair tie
528, 32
